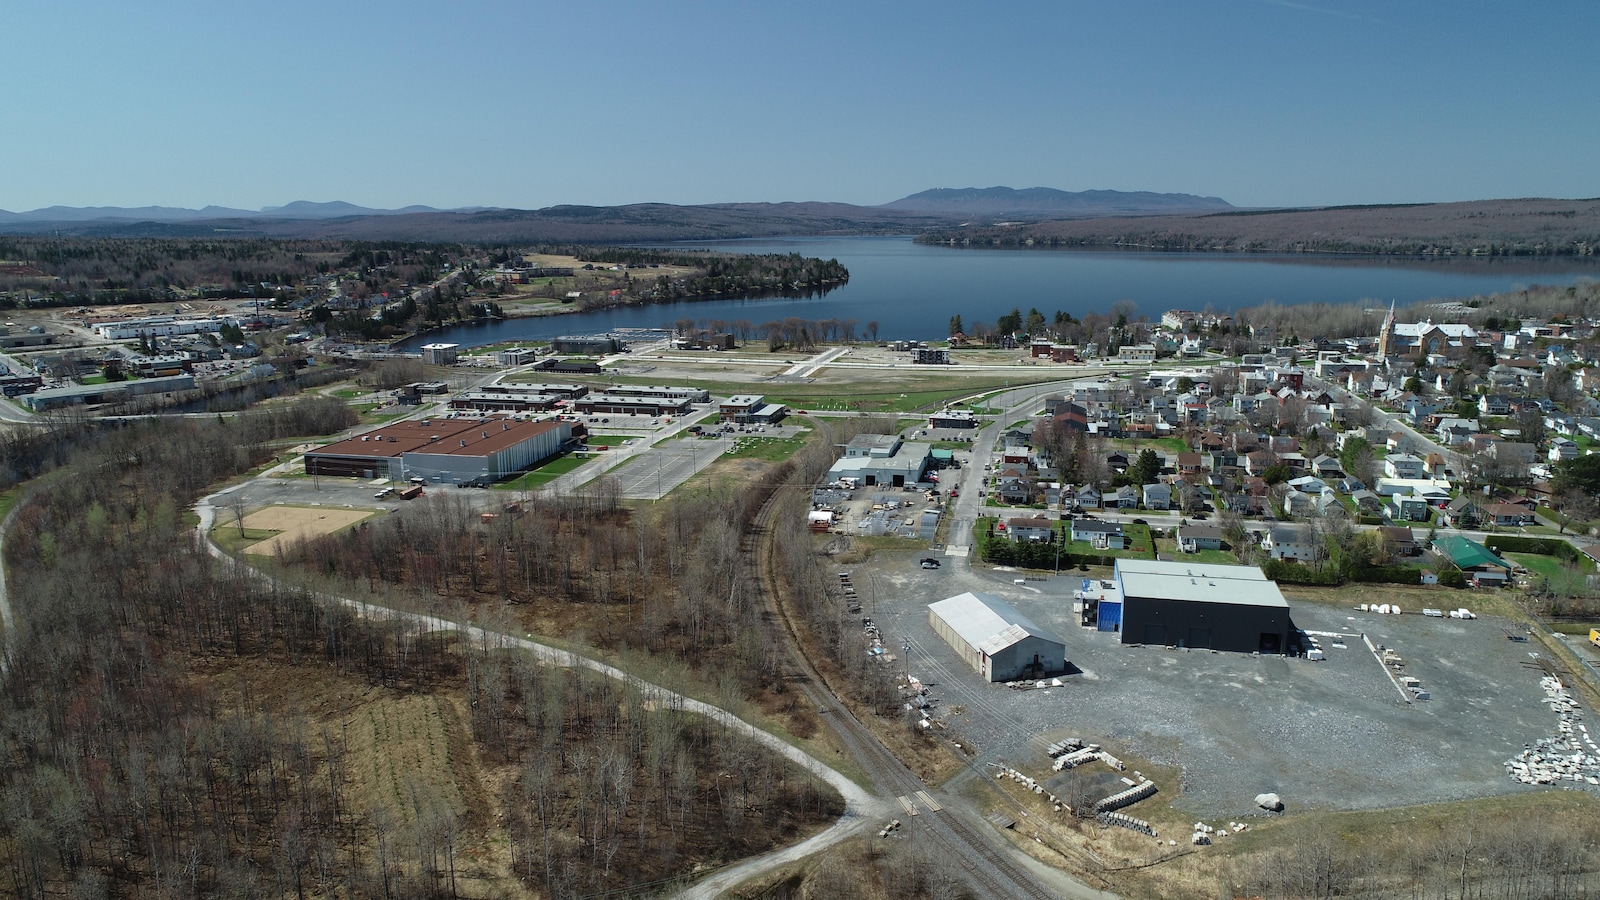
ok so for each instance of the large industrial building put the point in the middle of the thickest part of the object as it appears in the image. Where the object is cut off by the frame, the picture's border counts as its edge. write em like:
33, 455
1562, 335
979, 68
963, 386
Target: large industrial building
108, 392
1196, 605
448, 451
882, 459
998, 642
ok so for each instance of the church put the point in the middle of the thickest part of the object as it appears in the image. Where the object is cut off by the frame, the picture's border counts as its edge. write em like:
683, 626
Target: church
1420, 340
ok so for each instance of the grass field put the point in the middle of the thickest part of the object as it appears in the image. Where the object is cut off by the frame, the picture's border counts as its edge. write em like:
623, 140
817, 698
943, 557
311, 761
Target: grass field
767, 449
542, 474
413, 755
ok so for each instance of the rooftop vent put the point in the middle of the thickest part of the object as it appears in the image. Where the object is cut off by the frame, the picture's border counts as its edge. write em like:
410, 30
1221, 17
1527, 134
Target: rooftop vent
485, 434
463, 442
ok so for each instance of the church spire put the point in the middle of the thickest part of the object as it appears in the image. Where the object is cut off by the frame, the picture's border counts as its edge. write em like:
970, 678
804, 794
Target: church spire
1386, 336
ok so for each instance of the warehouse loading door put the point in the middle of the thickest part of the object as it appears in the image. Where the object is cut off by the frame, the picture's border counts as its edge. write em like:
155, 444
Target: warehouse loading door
1199, 638
1155, 634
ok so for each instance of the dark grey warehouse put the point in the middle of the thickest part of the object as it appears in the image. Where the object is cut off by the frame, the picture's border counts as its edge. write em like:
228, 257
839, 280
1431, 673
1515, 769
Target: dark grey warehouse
1201, 606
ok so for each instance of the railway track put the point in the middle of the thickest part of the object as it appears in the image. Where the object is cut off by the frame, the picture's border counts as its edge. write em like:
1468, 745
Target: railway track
989, 868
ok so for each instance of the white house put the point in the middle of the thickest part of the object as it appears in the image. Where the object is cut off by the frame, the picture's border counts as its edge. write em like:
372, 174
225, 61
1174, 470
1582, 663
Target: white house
1290, 542
1404, 465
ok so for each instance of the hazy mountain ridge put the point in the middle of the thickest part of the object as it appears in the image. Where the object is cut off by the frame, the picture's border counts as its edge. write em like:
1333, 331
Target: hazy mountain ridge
299, 209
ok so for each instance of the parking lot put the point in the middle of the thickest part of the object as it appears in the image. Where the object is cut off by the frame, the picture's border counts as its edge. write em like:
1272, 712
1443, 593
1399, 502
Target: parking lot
655, 472
1330, 734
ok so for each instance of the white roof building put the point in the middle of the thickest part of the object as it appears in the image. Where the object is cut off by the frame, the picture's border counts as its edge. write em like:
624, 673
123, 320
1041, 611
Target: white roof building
998, 642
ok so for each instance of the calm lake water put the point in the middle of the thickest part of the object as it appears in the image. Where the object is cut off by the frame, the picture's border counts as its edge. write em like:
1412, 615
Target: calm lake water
912, 290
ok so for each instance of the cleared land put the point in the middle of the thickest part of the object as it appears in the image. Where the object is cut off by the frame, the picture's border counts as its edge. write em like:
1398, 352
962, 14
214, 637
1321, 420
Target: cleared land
295, 522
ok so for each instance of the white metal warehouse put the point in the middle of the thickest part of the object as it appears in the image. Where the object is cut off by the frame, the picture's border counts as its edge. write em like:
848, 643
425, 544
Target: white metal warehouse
998, 642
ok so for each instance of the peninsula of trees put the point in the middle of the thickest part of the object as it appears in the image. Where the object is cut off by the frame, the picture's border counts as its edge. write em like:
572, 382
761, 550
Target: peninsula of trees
1480, 228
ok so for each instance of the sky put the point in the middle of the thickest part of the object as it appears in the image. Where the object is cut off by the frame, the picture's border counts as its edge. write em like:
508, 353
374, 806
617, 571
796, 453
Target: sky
532, 104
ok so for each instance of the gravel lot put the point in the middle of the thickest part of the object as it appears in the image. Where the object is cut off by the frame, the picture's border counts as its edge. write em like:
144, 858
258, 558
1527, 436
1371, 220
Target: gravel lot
1330, 734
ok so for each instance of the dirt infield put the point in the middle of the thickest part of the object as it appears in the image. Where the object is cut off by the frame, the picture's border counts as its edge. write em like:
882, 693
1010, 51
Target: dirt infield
295, 522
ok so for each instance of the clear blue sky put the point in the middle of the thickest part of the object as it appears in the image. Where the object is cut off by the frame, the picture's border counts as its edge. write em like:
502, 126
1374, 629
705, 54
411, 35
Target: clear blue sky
491, 103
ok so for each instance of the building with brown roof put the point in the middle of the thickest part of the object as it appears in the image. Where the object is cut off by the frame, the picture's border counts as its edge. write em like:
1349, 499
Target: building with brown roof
447, 451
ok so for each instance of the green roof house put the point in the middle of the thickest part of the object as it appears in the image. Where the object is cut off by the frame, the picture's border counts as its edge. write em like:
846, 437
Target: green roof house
1477, 562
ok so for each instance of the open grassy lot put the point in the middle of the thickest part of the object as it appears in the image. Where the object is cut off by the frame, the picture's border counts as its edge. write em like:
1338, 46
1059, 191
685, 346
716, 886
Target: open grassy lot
766, 449
542, 474
1540, 565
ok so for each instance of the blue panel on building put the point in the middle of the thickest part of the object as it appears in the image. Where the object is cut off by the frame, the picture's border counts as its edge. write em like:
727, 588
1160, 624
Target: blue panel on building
1110, 615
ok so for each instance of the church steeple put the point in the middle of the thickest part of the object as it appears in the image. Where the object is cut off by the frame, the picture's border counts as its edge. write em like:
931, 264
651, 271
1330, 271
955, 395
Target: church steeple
1386, 336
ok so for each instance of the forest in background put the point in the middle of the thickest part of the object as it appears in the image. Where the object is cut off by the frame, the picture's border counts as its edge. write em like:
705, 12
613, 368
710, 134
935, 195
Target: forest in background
174, 727
1477, 228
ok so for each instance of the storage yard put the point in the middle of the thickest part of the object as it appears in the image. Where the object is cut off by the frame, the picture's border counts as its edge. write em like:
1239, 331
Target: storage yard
1340, 733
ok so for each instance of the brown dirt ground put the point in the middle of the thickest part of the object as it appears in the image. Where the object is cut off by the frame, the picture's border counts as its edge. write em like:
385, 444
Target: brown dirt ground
295, 522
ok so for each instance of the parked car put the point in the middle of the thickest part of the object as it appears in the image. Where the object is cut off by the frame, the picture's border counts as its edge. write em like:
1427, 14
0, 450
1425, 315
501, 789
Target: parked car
929, 562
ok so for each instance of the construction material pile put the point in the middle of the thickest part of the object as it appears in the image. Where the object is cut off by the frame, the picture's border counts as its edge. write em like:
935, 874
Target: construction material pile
1570, 756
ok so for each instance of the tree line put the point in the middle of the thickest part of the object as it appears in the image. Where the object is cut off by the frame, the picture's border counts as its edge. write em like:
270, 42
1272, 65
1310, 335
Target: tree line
125, 769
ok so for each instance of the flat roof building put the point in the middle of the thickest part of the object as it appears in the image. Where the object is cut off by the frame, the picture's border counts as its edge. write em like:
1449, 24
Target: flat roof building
998, 642
661, 391
1201, 606
109, 392
868, 462
440, 354
449, 451
633, 406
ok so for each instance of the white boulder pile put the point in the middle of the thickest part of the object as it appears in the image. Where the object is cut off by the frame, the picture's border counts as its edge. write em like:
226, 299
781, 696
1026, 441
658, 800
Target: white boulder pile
1570, 756
1270, 802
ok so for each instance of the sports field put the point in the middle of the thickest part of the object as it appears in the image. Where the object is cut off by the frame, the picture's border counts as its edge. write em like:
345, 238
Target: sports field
294, 522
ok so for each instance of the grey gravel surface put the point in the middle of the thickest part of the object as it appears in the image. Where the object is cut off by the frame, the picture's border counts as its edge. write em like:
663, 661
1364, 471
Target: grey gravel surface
1330, 734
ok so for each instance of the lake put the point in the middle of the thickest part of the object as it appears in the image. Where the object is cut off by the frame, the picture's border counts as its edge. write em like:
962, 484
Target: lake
911, 290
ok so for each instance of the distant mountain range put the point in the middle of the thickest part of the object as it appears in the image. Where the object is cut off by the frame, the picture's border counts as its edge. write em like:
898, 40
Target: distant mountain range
935, 209
1038, 203
299, 209
1033, 204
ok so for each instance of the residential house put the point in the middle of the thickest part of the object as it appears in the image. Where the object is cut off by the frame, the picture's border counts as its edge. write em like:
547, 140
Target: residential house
1454, 431
1258, 462
1298, 503
1461, 513
1157, 496
1563, 449
1513, 453
1190, 464
1404, 466
1494, 405
1098, 534
1349, 485
1127, 498
1035, 530
1310, 484
1194, 538
1086, 496
1325, 466
1508, 515
1290, 542
1411, 507
1480, 564
1399, 541
1367, 503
